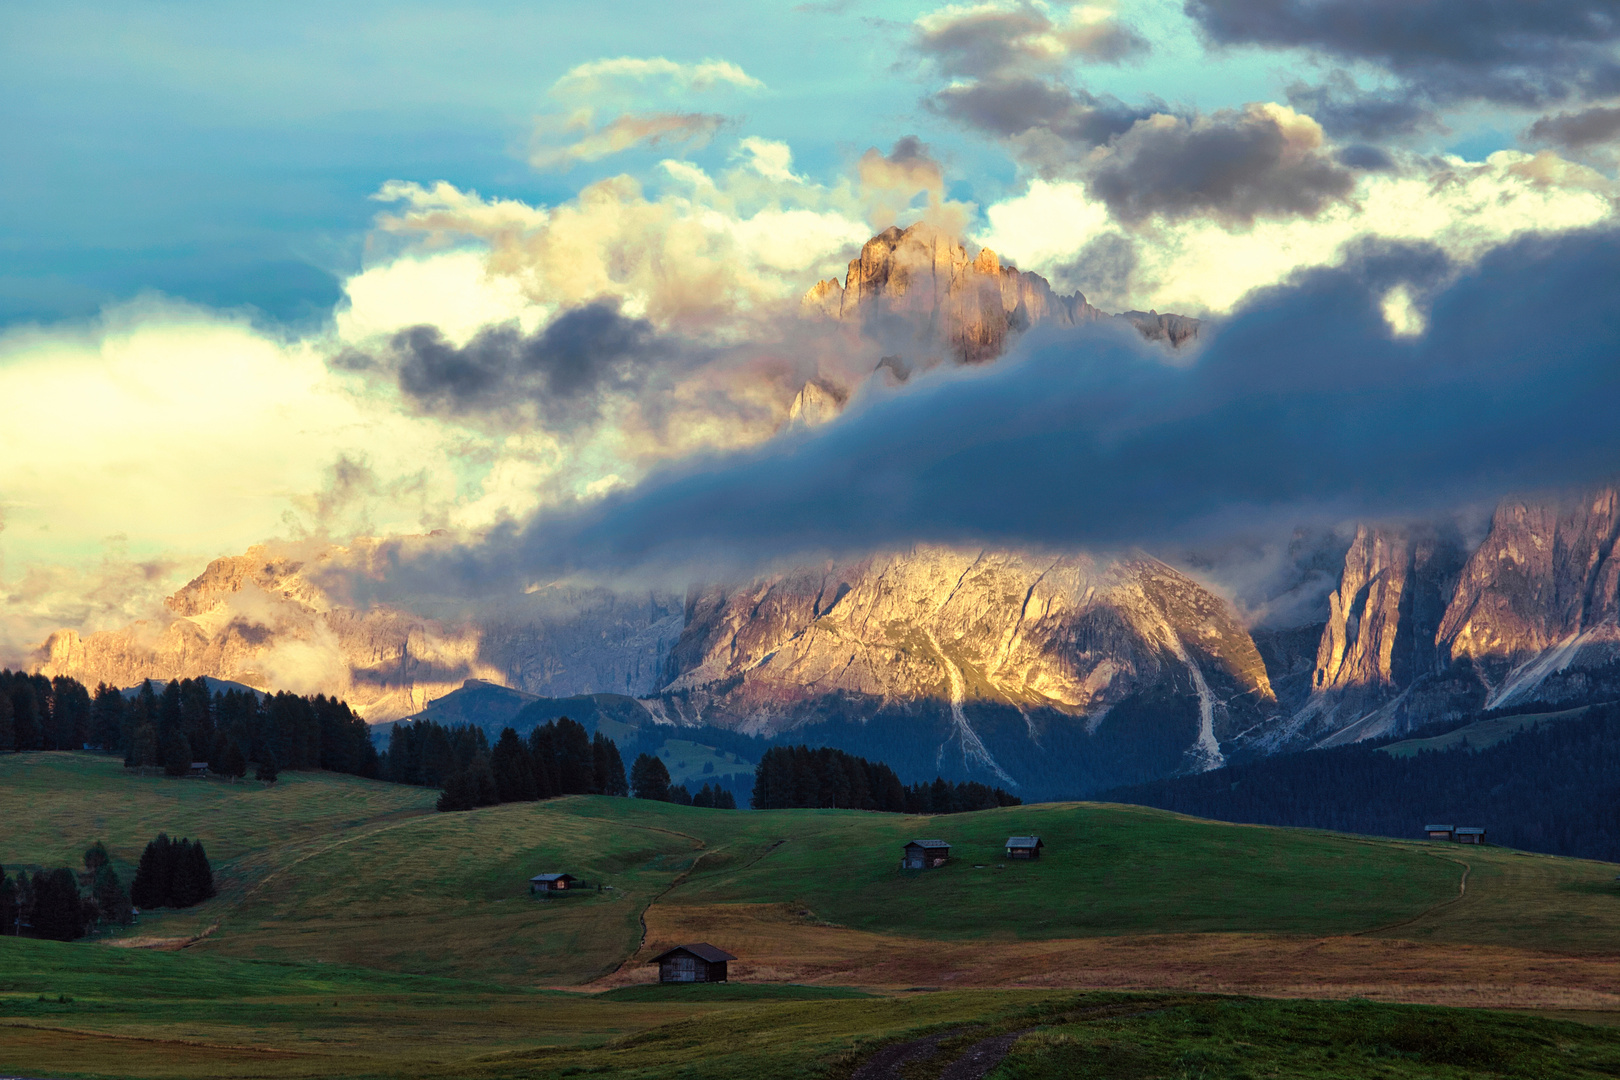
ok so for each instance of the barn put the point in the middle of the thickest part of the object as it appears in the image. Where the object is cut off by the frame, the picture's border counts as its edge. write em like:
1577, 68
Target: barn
925, 854
1439, 832
1469, 834
698, 962
550, 883
1024, 847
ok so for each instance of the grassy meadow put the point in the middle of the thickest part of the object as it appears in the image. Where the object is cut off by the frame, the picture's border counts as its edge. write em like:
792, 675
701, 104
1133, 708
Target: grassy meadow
359, 933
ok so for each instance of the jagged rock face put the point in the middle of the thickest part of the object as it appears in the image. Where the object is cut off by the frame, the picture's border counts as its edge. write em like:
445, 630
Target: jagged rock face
1539, 597
815, 404
260, 619
973, 305
961, 628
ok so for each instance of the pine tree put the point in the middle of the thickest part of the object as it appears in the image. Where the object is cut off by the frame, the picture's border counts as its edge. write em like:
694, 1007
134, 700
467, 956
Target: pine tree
609, 766
143, 748
107, 718
481, 782
513, 769
457, 793
176, 753
111, 902
8, 727
268, 770
27, 731
679, 795
57, 913
95, 857
201, 872
8, 904
235, 765
576, 765
649, 778
150, 888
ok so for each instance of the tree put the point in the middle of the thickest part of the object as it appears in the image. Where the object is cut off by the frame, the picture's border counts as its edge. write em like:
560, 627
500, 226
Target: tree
679, 795
481, 781
95, 857
111, 901
57, 913
8, 727
150, 888
649, 778
267, 770
513, 769
234, 765
576, 765
176, 753
8, 904
107, 718
609, 766
27, 731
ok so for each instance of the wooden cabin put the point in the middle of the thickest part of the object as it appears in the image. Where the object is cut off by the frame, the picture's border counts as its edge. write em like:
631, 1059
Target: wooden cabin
1439, 832
1024, 847
698, 962
550, 883
198, 768
925, 855
1468, 834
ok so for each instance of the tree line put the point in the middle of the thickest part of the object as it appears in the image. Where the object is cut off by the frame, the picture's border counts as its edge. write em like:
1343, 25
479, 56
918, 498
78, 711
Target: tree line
59, 905
1554, 788
558, 758
825, 778
37, 713
650, 779
183, 723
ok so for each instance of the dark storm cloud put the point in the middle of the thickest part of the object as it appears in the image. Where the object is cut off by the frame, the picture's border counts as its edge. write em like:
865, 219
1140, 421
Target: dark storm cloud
1233, 165
1512, 52
1303, 405
991, 43
1345, 110
1009, 108
560, 369
1578, 130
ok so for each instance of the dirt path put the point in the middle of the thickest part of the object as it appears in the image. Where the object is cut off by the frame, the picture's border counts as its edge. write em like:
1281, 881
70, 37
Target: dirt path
1462, 893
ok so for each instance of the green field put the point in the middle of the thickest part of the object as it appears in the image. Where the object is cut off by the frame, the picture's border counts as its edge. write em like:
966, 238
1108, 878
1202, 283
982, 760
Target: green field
357, 932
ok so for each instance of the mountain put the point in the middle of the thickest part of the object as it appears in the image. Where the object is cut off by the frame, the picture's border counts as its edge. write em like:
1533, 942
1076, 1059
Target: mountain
984, 659
1423, 631
923, 279
262, 619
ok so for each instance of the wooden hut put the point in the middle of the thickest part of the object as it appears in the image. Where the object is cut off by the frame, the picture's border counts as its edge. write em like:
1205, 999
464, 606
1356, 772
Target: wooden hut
1468, 834
925, 855
198, 768
1439, 832
1024, 847
698, 962
550, 883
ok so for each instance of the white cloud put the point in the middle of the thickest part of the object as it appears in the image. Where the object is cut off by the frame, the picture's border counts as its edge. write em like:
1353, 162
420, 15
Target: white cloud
1203, 267
601, 76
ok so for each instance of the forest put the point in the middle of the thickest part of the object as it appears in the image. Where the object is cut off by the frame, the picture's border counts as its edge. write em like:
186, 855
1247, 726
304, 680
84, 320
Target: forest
1554, 788
821, 777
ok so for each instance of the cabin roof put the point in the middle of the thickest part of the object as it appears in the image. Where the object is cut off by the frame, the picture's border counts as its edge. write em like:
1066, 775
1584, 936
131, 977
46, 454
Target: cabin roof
928, 844
1469, 830
1439, 828
700, 949
553, 877
1024, 841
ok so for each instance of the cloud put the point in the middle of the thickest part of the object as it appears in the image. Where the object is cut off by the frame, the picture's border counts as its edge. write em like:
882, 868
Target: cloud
558, 369
1204, 266
1504, 51
1047, 123
599, 77
1345, 110
588, 142
1578, 130
1092, 439
998, 40
1262, 161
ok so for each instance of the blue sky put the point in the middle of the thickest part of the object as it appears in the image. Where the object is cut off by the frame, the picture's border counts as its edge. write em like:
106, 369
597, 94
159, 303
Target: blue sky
223, 152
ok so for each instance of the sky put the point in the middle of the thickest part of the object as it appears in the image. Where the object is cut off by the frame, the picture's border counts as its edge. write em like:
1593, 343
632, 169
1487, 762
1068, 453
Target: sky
525, 277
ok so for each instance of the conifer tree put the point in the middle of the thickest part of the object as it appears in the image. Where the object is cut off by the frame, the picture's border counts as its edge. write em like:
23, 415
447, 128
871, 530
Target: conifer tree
27, 731
513, 769
150, 888
8, 728
111, 901
57, 913
176, 753
234, 765
679, 795
268, 770
8, 904
107, 716
457, 793
649, 778
609, 766
95, 857
143, 748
